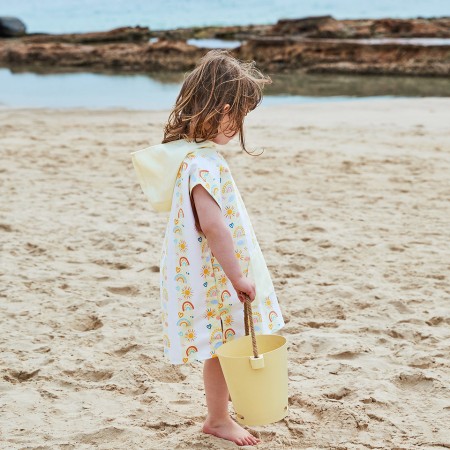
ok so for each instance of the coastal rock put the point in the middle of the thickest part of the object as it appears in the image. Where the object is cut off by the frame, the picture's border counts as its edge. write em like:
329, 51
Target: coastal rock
162, 55
328, 27
227, 32
11, 27
123, 34
335, 56
312, 44
307, 26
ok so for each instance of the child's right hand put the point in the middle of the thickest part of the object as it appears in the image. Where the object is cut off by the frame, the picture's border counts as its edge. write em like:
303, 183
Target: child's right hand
243, 286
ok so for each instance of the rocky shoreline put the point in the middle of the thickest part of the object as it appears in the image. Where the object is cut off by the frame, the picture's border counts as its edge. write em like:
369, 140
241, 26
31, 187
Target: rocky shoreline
312, 44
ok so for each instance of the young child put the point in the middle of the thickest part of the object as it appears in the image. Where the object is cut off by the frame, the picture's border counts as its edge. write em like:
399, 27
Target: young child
210, 256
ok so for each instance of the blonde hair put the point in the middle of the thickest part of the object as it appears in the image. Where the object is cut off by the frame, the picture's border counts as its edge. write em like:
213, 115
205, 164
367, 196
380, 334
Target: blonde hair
217, 79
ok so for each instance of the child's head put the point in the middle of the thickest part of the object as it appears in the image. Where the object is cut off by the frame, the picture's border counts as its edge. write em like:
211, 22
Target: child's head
215, 98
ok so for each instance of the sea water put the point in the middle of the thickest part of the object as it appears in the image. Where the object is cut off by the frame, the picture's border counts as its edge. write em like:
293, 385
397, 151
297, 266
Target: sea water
159, 90
70, 16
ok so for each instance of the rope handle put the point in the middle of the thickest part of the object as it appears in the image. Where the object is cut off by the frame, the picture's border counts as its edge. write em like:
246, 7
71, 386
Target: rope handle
248, 320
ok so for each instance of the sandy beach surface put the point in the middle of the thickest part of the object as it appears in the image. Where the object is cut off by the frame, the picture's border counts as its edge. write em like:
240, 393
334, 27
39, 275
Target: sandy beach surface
351, 205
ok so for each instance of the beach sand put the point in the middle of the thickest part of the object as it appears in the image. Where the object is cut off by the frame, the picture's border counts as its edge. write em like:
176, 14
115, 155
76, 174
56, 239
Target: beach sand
351, 205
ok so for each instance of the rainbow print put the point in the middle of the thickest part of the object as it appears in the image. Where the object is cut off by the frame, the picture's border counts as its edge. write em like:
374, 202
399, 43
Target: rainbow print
216, 334
224, 312
187, 306
256, 317
190, 350
180, 213
229, 333
272, 315
216, 267
212, 292
180, 277
177, 229
202, 174
239, 232
184, 322
184, 261
225, 296
227, 187
215, 191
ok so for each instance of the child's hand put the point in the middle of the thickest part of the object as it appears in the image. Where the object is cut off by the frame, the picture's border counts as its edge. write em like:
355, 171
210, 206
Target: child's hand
245, 286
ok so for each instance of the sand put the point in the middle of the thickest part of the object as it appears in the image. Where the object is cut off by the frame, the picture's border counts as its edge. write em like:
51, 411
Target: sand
351, 206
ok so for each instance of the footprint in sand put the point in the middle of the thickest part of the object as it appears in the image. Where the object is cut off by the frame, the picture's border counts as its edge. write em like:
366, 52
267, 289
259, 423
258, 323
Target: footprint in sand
89, 375
438, 320
111, 264
401, 307
296, 267
345, 355
414, 381
123, 290
34, 249
103, 436
160, 371
14, 376
88, 323
124, 350
339, 393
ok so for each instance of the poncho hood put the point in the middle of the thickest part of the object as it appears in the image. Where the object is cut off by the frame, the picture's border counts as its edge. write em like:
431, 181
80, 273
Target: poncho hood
157, 168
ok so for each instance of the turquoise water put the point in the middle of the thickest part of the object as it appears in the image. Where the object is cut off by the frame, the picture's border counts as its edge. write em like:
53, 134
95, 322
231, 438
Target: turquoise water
65, 16
159, 91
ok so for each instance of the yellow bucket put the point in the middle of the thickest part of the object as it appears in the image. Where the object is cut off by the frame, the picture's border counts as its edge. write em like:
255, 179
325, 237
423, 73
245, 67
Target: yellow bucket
255, 370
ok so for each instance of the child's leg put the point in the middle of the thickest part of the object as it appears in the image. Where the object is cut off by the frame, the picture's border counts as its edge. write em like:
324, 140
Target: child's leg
218, 421
216, 390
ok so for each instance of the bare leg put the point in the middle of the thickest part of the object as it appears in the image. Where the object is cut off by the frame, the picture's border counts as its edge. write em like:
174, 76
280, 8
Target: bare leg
218, 422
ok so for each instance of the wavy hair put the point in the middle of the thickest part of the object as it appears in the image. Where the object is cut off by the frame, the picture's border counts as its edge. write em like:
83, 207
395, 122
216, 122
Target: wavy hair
217, 79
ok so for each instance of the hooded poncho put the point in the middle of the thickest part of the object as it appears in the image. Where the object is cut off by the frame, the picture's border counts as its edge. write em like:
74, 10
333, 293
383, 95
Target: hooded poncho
200, 309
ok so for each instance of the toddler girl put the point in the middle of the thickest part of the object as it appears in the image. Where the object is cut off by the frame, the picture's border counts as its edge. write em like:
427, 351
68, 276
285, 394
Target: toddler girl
211, 259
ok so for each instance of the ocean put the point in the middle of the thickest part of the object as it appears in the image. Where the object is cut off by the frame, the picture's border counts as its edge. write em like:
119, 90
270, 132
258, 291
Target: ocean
69, 16
159, 91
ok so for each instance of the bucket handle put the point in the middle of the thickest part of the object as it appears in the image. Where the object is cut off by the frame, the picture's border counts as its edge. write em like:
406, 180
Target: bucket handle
248, 319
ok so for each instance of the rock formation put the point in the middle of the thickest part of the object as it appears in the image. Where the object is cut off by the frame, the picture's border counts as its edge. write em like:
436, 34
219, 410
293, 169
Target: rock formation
313, 44
11, 27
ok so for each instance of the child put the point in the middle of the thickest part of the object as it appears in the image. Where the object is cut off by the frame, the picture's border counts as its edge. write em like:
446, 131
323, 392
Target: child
210, 255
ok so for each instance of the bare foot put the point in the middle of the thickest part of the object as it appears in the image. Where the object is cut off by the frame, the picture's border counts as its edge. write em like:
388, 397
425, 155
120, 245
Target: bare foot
230, 430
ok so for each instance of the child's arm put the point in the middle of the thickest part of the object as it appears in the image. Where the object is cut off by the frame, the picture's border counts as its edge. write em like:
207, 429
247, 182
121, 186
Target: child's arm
220, 240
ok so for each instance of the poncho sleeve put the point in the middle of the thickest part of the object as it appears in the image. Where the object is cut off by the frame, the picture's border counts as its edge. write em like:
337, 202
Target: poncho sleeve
207, 173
